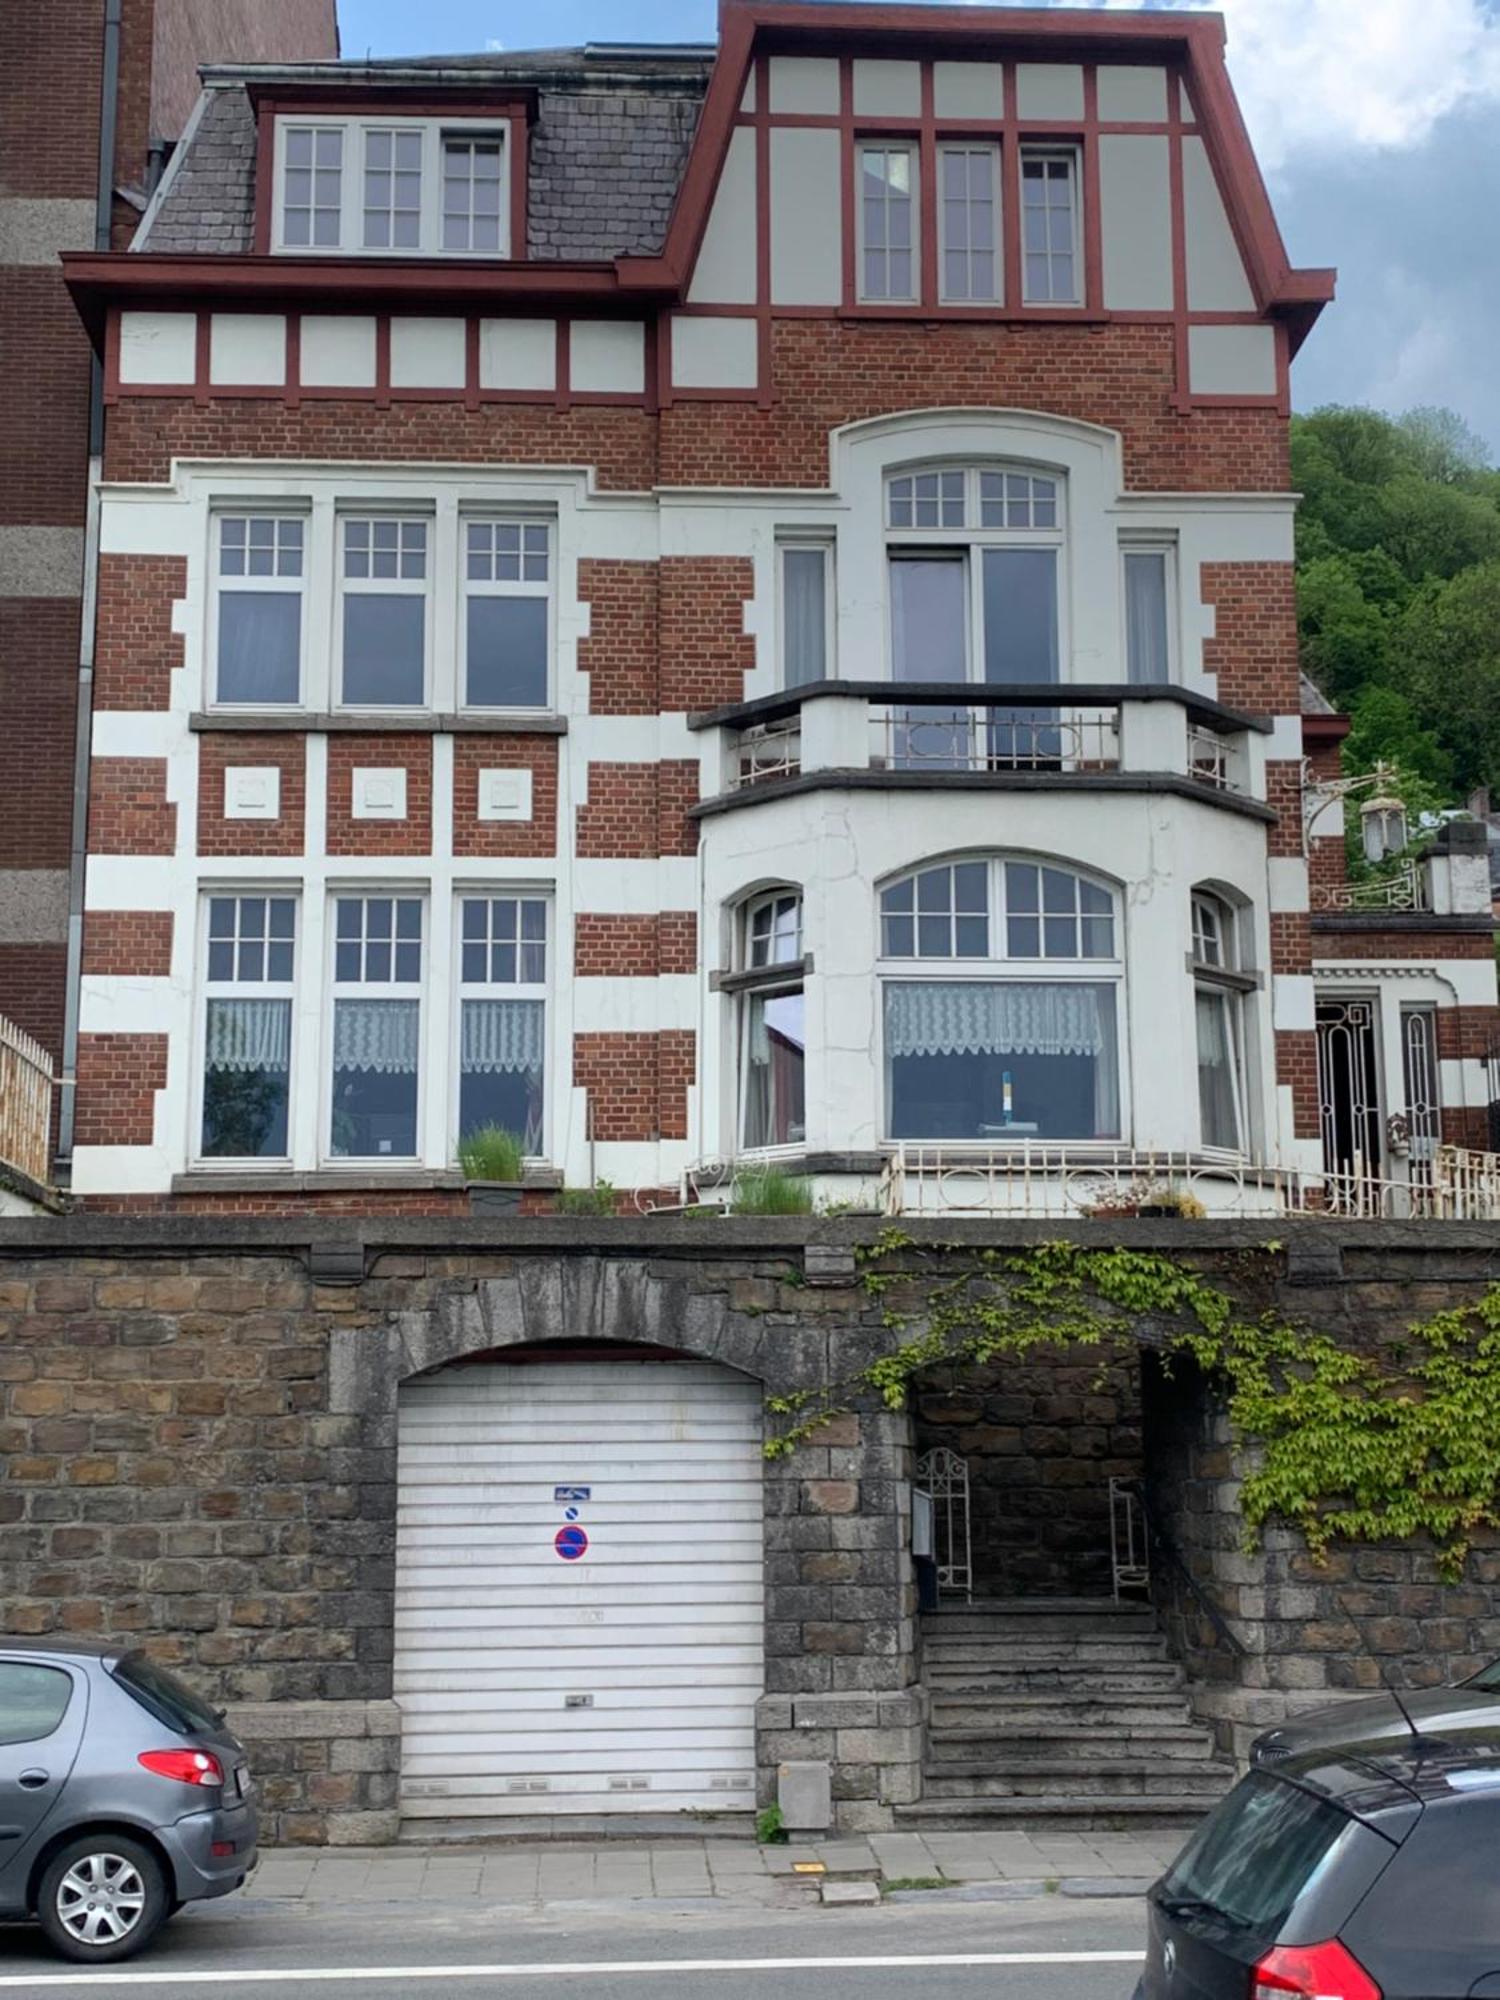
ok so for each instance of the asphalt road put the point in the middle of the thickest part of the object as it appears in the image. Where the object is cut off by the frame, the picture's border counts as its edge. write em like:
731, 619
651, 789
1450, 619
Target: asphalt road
1046, 1948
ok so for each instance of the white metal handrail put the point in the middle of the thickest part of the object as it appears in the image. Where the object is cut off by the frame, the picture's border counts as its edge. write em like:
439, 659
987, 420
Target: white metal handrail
26, 1086
959, 739
768, 750
1405, 890
1129, 1544
945, 1476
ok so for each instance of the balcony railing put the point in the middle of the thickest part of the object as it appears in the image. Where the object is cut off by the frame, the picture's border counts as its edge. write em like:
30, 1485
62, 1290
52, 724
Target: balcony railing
26, 1084
1408, 889
926, 732
1030, 1179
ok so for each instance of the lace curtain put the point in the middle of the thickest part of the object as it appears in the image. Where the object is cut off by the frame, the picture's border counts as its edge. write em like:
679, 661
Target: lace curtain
503, 1035
1218, 1098
962, 1017
377, 1035
249, 1035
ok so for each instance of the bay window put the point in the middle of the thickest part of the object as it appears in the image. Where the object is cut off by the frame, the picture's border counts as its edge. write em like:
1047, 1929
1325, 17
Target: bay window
1000, 1003
384, 625
377, 1019
259, 588
1218, 1008
974, 557
773, 1034
392, 186
502, 977
249, 968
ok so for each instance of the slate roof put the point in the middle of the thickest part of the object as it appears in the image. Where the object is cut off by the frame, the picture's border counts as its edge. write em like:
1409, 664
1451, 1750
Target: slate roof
611, 138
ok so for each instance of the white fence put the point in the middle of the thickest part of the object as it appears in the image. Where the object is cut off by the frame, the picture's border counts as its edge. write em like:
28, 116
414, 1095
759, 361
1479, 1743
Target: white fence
26, 1083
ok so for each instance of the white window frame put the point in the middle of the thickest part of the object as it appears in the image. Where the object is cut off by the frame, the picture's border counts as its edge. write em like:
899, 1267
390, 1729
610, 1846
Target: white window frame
390, 989
1049, 150
1216, 922
230, 510
775, 976
997, 248
999, 968
967, 542
1165, 550
521, 586
318, 127
875, 143
453, 137
372, 586
207, 989
488, 989
434, 131
805, 544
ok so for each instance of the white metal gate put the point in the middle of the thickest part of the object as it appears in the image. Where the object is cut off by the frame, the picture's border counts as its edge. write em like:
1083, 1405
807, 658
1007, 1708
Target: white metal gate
578, 1588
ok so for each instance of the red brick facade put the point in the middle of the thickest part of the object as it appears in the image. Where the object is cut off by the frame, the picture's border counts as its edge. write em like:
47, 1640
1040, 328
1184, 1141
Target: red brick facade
129, 812
534, 838
620, 654
128, 943
638, 811
118, 1078
705, 650
608, 945
1417, 947
287, 833
637, 1083
411, 835
136, 648
38, 699
1254, 648
1297, 1067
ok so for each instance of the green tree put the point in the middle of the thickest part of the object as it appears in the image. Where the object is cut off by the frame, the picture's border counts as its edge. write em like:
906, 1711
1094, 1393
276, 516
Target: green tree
1343, 635
1445, 659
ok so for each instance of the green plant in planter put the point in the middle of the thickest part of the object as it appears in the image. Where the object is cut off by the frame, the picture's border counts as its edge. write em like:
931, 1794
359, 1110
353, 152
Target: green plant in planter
596, 1200
491, 1153
770, 1191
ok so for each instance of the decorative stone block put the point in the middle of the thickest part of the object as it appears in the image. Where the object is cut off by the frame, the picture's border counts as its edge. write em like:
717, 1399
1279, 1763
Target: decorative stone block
252, 791
378, 794
505, 794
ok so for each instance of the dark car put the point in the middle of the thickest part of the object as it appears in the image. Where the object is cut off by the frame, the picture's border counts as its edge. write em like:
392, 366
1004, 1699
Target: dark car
1470, 1709
122, 1797
1368, 1874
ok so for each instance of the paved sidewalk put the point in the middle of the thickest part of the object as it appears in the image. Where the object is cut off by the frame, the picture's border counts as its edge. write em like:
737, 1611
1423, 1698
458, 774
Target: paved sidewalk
718, 1868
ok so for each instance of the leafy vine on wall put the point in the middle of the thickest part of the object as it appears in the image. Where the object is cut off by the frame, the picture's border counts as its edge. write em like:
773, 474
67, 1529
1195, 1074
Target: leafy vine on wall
1381, 1446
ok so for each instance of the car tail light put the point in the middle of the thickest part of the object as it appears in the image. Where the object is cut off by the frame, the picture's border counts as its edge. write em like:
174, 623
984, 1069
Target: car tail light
188, 1767
1316, 1971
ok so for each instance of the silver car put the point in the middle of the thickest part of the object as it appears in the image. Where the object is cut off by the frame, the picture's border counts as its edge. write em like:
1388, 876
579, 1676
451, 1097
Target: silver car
122, 1796
1469, 1712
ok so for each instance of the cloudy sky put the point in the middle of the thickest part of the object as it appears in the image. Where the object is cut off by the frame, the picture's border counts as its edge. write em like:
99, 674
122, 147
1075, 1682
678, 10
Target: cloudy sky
1377, 124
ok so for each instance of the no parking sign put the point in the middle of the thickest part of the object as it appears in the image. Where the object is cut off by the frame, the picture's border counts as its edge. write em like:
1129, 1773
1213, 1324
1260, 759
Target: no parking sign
571, 1543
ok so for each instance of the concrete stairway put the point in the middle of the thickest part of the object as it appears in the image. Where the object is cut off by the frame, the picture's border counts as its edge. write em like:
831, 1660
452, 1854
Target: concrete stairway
1059, 1711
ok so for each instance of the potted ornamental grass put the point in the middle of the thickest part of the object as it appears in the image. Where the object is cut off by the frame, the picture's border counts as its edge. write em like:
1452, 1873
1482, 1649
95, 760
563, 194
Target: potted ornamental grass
493, 1161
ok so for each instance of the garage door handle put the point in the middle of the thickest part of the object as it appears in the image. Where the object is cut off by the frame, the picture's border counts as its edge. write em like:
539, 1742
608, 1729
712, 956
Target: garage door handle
32, 1780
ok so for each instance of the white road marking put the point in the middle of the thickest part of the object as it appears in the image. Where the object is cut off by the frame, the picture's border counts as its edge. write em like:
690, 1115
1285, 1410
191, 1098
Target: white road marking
596, 1968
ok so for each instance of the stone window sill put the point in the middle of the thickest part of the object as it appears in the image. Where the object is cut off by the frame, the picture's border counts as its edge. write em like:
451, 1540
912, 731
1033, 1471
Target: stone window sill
323, 722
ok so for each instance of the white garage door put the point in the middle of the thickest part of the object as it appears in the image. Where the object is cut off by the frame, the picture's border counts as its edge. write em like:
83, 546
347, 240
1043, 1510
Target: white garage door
578, 1588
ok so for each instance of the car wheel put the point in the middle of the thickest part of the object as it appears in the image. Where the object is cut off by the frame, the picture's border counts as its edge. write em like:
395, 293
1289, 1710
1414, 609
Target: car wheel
102, 1897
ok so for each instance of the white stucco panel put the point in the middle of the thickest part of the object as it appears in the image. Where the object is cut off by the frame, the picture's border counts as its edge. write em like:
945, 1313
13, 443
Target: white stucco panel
1215, 273
517, 354
1286, 877
806, 218
1293, 1001
714, 353
1049, 90
1135, 202
608, 356
1134, 93
158, 347
804, 83
887, 89
1232, 360
338, 351
968, 90
725, 271
247, 348
427, 353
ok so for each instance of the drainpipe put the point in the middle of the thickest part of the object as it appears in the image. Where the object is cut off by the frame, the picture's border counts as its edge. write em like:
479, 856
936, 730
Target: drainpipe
109, 110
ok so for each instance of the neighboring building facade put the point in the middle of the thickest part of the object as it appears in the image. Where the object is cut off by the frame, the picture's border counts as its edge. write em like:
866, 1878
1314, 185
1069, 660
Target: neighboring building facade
80, 78
702, 608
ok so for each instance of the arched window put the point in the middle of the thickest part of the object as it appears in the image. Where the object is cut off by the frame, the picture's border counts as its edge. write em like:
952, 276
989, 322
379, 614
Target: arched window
1219, 1009
1000, 1002
974, 557
772, 1033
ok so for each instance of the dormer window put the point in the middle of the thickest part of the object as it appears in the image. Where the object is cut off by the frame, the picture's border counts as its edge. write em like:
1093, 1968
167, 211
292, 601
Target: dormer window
380, 187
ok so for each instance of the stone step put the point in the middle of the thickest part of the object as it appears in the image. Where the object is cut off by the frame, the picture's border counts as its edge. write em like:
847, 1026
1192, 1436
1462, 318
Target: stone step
967, 1647
976, 1682
1073, 1711
1182, 1742
1058, 1813
1043, 1625
1046, 1778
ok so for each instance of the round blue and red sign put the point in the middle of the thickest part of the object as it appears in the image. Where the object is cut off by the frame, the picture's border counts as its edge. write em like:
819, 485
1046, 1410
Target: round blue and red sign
571, 1543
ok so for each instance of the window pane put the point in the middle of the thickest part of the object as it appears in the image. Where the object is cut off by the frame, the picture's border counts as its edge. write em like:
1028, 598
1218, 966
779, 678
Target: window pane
1020, 886
501, 1068
1001, 1060
507, 662
259, 645
929, 642
1020, 646
375, 1045
383, 649
246, 1072
1146, 616
33, 1701
1218, 1083
775, 1057
804, 616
